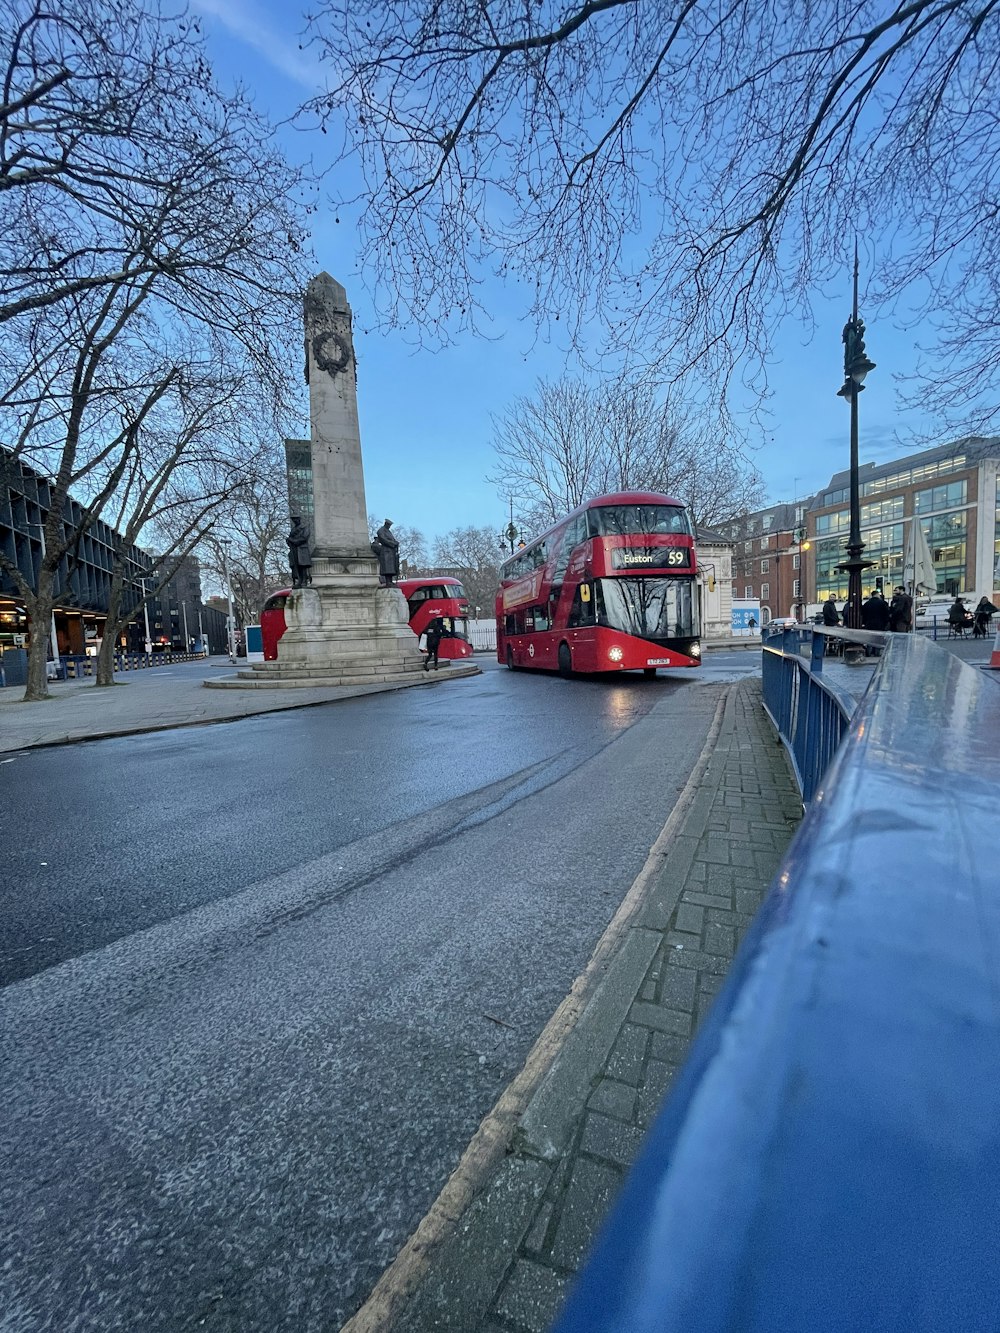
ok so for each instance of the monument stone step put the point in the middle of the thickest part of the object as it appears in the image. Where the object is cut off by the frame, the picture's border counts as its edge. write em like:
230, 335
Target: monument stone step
320, 677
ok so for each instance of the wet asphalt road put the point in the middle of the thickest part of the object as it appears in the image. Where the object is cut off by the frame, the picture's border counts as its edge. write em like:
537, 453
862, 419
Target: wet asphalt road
272, 975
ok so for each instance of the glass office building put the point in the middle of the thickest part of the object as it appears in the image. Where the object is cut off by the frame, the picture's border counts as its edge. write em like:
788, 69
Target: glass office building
953, 492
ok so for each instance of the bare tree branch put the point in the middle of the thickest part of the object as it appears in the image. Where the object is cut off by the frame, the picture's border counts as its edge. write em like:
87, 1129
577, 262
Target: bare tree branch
571, 442
671, 185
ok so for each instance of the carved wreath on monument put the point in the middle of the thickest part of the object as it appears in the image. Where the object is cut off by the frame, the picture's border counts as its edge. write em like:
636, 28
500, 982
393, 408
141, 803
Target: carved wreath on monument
331, 352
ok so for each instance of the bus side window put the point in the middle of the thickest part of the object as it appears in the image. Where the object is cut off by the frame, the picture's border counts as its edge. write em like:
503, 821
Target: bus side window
572, 537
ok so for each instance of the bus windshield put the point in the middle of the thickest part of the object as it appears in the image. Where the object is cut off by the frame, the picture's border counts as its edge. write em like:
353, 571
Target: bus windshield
638, 519
432, 592
649, 608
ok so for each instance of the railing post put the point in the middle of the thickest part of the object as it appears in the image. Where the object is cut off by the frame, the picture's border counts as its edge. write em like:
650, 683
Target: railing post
817, 653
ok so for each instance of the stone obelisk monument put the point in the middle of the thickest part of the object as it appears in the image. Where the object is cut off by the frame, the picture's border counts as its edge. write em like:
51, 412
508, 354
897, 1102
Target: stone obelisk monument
344, 627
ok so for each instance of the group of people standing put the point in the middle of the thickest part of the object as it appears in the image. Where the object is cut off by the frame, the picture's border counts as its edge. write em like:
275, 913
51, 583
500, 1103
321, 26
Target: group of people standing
897, 614
877, 613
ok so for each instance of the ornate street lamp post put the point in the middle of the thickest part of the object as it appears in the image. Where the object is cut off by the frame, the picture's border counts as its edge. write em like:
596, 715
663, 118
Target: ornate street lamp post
856, 367
510, 533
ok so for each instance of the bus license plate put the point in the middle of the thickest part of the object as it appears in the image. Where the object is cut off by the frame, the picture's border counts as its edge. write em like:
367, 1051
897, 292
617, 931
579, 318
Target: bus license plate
658, 661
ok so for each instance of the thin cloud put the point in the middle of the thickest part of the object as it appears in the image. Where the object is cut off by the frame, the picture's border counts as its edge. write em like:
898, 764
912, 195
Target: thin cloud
247, 22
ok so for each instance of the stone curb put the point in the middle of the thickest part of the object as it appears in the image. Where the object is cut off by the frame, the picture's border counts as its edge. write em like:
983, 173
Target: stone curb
253, 704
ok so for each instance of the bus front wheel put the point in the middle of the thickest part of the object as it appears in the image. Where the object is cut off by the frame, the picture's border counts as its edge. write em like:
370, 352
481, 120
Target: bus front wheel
649, 671
565, 660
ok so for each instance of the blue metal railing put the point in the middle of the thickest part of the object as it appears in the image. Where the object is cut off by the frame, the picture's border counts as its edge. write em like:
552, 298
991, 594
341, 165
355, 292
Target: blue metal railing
829, 1157
809, 713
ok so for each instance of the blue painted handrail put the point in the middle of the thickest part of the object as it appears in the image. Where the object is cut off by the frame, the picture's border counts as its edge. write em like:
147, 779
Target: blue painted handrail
829, 1157
809, 713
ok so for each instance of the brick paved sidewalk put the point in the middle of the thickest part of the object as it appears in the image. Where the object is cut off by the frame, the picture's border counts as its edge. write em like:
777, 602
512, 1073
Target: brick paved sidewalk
507, 1266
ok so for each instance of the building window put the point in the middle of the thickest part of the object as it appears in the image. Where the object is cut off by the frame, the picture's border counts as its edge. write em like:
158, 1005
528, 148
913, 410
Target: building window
838, 522
765, 590
766, 521
915, 475
748, 546
796, 561
800, 513
765, 566
764, 543
940, 497
797, 588
747, 591
883, 511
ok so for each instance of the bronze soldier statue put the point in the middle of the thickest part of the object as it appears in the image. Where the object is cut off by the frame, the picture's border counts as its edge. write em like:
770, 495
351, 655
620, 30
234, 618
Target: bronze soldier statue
299, 557
386, 548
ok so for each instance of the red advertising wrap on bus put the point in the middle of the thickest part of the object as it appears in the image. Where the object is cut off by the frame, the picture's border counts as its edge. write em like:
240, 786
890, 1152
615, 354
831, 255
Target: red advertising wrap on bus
427, 599
612, 587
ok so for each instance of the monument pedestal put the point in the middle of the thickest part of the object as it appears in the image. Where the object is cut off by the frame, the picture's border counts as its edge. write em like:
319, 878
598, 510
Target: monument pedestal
343, 628
346, 617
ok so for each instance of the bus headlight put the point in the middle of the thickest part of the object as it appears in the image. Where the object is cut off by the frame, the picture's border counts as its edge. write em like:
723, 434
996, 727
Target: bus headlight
696, 650
615, 653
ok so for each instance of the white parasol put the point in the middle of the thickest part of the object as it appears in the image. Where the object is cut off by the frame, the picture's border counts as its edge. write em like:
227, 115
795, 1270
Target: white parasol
918, 567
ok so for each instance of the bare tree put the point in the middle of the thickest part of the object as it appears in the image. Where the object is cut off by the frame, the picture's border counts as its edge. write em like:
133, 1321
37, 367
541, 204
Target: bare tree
195, 457
571, 441
254, 519
695, 461
680, 178
474, 554
147, 225
548, 448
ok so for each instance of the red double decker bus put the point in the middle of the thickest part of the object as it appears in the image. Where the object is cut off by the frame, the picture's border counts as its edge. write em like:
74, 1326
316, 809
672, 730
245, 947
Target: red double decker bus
427, 599
441, 598
610, 588
272, 622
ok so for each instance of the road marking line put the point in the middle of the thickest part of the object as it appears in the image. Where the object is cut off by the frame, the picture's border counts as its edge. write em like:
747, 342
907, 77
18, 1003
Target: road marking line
490, 1142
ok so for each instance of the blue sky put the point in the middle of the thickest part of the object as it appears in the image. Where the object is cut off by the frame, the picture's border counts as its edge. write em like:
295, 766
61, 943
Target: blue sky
425, 415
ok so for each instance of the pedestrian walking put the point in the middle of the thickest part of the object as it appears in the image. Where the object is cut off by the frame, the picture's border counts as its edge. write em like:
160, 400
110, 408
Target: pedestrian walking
434, 633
